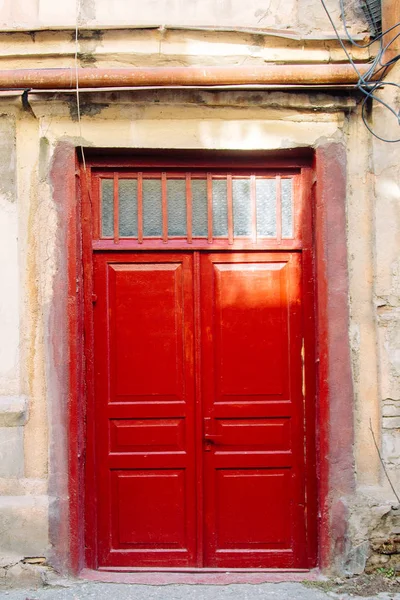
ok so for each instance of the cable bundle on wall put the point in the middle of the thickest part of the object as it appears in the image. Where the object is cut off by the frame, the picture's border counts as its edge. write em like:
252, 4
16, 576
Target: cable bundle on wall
373, 11
373, 79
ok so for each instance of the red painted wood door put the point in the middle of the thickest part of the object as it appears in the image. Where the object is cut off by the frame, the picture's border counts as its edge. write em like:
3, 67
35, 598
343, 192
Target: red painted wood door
199, 410
144, 397
253, 410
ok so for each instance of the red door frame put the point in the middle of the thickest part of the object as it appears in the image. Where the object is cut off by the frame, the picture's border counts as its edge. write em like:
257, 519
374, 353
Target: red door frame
325, 259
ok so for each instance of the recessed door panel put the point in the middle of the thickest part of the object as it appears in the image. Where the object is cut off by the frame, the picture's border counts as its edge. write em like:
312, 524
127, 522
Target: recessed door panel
270, 434
150, 435
149, 506
254, 510
250, 331
146, 331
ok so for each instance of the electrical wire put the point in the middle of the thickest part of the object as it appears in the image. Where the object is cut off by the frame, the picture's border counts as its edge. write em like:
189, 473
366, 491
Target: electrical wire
78, 105
383, 463
370, 82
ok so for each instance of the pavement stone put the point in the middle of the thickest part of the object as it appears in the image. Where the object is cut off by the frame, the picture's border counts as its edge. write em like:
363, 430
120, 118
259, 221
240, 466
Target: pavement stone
114, 591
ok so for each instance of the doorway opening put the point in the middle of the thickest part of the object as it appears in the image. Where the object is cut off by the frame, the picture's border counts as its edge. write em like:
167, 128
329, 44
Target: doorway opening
200, 403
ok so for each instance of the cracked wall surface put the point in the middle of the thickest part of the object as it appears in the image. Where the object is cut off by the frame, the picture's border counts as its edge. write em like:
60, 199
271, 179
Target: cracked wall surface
387, 282
374, 295
192, 119
306, 16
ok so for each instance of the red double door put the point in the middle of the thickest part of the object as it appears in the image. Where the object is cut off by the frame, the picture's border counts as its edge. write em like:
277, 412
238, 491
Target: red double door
199, 424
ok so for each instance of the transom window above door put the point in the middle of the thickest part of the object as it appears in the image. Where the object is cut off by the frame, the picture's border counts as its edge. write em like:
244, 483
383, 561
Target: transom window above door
180, 208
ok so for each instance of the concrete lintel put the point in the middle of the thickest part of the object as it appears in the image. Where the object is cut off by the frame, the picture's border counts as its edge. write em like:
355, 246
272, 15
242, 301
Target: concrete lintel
314, 101
13, 411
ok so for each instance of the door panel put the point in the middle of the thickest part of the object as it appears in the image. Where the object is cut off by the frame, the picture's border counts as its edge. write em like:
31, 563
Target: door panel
241, 529
146, 332
251, 330
253, 410
144, 409
150, 508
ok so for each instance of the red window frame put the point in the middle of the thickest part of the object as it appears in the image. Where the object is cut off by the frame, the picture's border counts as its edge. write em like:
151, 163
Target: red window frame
189, 241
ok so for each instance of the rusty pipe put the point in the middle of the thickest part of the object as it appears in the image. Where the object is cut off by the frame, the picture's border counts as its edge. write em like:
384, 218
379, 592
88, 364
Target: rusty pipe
65, 78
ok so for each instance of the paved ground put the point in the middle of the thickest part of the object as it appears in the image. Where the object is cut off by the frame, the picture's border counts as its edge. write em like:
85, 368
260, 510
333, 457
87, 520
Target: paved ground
112, 591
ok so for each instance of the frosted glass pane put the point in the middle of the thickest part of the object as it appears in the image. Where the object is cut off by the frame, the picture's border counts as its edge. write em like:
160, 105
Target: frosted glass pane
287, 208
241, 207
176, 199
127, 199
107, 208
152, 212
220, 208
199, 208
266, 207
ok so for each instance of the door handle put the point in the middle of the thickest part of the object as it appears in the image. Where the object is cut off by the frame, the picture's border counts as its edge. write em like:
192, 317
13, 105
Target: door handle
211, 438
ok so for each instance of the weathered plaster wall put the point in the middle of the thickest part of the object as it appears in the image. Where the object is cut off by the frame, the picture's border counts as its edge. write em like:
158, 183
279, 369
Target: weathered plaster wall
361, 243
33, 388
123, 48
9, 318
374, 260
115, 120
23, 485
305, 15
180, 120
387, 283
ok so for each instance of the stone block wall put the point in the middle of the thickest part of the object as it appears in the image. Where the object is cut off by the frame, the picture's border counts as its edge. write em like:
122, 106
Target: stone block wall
385, 545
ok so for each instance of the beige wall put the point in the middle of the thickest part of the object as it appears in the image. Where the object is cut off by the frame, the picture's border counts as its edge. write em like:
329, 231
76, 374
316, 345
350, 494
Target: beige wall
385, 158
304, 15
189, 120
117, 120
374, 258
200, 120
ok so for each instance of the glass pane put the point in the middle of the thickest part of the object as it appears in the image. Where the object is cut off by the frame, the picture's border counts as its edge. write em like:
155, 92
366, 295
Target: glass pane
241, 207
287, 208
266, 207
199, 208
127, 198
107, 208
220, 208
176, 199
152, 212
